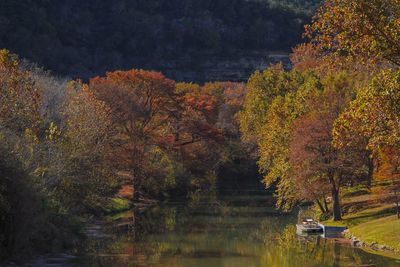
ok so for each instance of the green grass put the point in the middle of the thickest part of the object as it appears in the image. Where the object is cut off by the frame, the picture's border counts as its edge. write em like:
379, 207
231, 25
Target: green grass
356, 191
371, 221
384, 231
363, 216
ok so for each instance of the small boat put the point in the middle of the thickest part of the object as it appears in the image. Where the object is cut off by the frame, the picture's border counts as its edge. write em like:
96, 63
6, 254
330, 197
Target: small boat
309, 226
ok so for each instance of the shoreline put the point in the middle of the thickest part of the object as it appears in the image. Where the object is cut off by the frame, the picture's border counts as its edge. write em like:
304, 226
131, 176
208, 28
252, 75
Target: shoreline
372, 247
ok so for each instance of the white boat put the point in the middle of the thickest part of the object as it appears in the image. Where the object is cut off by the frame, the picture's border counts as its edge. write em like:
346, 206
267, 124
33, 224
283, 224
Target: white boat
309, 226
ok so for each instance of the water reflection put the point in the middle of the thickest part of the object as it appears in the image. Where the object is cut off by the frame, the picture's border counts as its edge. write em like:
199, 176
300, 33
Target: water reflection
232, 231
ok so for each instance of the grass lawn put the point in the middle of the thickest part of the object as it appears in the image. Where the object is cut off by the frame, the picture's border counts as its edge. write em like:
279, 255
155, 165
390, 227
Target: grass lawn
384, 231
371, 221
363, 216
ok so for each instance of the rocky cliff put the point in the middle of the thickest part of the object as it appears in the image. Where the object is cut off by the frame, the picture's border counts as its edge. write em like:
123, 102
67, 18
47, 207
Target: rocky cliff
238, 68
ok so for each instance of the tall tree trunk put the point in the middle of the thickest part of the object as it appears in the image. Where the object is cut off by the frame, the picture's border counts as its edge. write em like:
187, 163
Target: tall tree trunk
136, 172
337, 212
370, 170
326, 205
136, 185
136, 191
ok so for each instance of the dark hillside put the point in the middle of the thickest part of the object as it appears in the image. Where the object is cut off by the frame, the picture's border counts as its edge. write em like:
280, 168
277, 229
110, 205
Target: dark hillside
86, 38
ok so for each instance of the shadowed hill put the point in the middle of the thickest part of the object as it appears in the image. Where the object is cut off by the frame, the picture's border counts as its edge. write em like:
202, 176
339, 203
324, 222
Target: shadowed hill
86, 38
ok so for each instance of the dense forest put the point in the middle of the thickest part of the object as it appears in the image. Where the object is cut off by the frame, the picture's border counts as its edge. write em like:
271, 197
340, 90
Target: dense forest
87, 38
69, 149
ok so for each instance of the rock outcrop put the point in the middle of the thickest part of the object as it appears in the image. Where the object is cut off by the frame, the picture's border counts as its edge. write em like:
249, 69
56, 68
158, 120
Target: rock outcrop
236, 69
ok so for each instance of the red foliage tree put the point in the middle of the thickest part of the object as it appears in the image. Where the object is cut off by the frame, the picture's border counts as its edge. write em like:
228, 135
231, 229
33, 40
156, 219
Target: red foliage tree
141, 106
317, 166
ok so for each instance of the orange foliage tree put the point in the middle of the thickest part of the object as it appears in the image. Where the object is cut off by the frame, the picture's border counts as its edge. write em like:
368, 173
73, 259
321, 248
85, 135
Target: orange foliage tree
141, 105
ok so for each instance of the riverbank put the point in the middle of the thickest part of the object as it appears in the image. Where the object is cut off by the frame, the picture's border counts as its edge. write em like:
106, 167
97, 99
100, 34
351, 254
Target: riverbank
379, 235
371, 224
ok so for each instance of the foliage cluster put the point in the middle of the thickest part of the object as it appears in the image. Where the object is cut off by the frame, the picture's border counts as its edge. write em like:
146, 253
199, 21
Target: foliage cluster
332, 121
67, 147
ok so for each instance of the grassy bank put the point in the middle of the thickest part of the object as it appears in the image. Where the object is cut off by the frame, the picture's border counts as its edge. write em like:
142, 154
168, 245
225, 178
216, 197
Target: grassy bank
385, 231
372, 221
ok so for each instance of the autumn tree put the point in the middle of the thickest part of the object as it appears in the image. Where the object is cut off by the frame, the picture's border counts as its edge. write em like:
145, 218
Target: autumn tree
19, 99
305, 57
374, 115
275, 99
238, 157
387, 175
293, 128
198, 139
274, 146
230, 99
366, 30
141, 104
82, 151
318, 167
262, 88
198, 114
34, 159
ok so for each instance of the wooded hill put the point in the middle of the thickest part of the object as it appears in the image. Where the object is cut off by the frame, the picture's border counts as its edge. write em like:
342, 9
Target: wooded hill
86, 38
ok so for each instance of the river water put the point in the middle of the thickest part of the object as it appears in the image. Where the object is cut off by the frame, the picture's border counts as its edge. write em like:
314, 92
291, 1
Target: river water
232, 230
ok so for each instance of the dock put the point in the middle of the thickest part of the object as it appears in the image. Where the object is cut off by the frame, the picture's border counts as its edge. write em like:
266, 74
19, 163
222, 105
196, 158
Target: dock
320, 229
332, 231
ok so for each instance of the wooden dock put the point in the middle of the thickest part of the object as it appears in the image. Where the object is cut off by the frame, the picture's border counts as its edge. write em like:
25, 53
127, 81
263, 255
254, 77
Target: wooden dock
332, 231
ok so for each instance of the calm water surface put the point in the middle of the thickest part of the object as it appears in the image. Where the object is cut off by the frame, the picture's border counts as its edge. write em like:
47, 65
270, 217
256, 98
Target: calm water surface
229, 231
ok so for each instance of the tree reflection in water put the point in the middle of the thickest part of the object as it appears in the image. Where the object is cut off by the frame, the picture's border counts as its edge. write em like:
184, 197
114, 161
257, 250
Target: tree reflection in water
232, 231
